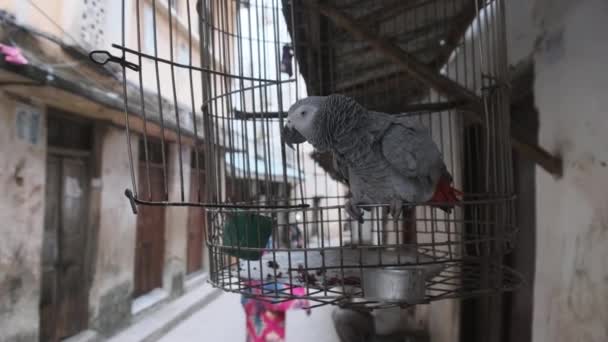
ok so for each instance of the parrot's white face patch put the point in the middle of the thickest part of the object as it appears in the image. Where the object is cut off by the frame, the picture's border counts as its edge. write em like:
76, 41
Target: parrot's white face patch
301, 119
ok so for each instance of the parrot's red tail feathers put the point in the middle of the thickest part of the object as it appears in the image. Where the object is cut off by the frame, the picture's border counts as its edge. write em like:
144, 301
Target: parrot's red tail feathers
446, 195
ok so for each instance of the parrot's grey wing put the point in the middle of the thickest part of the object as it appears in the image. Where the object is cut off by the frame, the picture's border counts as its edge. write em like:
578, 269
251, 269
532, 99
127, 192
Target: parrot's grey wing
408, 147
341, 169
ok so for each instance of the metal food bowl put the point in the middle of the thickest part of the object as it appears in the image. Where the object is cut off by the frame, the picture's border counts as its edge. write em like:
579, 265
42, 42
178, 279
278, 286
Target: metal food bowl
404, 284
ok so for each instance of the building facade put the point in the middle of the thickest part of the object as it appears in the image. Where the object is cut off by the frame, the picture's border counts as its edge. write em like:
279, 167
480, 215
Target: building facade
74, 256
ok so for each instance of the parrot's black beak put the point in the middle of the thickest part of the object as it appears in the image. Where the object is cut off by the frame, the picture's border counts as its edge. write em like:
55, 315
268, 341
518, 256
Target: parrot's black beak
292, 136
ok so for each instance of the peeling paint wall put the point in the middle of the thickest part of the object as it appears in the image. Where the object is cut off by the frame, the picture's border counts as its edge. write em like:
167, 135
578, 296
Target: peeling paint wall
22, 178
176, 224
571, 289
110, 295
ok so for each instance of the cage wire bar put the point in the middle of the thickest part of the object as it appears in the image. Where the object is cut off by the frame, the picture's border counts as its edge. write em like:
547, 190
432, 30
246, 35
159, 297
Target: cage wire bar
217, 81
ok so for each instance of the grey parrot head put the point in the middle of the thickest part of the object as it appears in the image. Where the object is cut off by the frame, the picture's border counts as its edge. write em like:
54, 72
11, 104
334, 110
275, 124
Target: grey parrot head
321, 120
300, 120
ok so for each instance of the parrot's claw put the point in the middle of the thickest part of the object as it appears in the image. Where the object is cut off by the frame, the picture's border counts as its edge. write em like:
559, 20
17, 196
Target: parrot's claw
353, 211
396, 208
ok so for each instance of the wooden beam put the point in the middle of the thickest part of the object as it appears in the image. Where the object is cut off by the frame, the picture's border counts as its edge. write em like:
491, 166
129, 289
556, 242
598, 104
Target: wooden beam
550, 163
84, 102
416, 69
368, 77
243, 115
436, 107
409, 108
391, 10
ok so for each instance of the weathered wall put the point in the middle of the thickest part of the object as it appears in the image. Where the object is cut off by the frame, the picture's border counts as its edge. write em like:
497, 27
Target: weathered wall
110, 295
176, 222
22, 178
571, 285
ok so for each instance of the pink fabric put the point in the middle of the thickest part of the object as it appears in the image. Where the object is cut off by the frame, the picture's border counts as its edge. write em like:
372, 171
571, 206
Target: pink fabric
13, 55
265, 319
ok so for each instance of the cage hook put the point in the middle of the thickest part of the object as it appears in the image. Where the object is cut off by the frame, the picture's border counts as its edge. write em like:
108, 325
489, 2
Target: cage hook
102, 57
129, 195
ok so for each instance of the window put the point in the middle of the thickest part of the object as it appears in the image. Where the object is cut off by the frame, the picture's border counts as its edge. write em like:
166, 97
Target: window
155, 151
201, 160
148, 29
65, 131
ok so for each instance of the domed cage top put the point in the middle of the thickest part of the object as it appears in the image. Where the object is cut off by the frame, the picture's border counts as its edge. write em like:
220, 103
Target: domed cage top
206, 97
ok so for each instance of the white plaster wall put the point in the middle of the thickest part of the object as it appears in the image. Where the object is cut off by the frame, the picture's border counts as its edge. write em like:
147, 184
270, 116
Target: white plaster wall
117, 227
22, 179
571, 285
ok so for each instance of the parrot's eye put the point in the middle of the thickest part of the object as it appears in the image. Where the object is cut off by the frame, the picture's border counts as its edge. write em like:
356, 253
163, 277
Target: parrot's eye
303, 113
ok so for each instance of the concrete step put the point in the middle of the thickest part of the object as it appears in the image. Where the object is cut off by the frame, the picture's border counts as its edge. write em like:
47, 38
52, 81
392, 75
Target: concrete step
159, 321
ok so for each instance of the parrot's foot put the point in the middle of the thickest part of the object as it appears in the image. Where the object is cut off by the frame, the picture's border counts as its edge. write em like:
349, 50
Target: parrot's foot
353, 211
396, 208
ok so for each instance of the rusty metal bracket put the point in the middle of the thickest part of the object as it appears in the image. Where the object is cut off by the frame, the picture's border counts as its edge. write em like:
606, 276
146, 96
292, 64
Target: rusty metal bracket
131, 198
102, 57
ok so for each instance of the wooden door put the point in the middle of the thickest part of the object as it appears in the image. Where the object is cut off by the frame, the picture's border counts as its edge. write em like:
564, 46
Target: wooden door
63, 302
150, 245
196, 223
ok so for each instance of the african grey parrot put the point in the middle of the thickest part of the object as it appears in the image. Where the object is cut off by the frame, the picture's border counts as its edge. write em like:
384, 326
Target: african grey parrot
383, 158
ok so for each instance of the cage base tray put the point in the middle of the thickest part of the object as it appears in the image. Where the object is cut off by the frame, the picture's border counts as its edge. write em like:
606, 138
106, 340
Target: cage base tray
454, 280
332, 267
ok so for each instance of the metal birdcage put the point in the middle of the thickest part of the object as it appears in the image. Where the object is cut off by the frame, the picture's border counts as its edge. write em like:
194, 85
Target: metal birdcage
219, 79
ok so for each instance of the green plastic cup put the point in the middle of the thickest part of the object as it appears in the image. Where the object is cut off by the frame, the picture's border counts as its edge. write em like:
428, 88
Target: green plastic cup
247, 230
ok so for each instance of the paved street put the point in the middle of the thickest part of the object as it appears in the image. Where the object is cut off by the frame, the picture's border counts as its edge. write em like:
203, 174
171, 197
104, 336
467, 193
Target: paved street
224, 320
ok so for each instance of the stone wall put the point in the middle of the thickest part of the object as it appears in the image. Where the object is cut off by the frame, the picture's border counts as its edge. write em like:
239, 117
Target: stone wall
176, 225
22, 178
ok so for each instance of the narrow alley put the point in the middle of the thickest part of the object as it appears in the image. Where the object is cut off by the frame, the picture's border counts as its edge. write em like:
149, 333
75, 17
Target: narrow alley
224, 320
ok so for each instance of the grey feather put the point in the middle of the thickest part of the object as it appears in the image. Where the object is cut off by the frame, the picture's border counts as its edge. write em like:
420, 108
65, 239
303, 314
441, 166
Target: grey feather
384, 158
341, 169
409, 149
